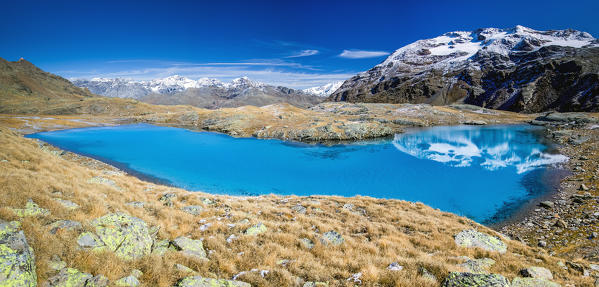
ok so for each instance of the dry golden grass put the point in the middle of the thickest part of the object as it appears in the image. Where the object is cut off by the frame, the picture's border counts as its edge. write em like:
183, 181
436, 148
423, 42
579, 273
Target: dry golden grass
412, 234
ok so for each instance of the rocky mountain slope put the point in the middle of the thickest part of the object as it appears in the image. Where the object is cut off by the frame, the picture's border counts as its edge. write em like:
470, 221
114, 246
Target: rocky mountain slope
517, 69
324, 90
203, 93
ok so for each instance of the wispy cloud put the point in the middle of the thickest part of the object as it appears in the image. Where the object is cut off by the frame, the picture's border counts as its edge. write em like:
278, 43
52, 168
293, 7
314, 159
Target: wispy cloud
304, 53
361, 54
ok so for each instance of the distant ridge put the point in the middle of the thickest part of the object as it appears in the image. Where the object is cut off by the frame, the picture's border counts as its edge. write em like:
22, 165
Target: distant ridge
517, 69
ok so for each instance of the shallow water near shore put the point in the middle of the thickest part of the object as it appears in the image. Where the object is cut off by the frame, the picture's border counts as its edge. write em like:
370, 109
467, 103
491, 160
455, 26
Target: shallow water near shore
484, 173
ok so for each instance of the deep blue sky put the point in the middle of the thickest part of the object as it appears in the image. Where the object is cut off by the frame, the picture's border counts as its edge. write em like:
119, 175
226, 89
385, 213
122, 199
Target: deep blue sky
227, 39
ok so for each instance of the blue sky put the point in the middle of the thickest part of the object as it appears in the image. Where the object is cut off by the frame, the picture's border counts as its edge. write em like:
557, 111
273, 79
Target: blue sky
293, 43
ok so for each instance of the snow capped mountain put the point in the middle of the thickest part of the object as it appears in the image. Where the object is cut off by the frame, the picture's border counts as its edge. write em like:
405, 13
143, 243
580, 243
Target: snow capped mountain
496, 68
205, 92
325, 90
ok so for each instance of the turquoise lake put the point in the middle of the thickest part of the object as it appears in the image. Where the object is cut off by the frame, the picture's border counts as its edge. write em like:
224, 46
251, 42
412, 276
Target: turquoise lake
484, 173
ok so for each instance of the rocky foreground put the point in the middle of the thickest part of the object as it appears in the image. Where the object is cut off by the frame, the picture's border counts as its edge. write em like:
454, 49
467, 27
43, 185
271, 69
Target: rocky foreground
68, 220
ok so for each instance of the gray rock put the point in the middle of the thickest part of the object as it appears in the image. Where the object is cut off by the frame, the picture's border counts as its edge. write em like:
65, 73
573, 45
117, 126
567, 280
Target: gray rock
97, 281
70, 277
198, 281
160, 247
427, 274
457, 279
299, 208
183, 268
65, 224
127, 236
129, 281
167, 198
537, 272
136, 204
105, 181
394, 267
89, 240
193, 209
256, 229
332, 237
190, 247
307, 243
17, 262
533, 282
547, 204
316, 284
67, 204
472, 238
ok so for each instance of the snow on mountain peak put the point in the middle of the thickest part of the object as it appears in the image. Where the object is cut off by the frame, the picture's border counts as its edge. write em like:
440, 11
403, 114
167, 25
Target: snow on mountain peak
325, 90
458, 47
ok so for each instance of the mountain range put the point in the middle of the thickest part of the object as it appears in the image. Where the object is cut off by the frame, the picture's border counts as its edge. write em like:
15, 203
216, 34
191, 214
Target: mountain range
205, 92
517, 69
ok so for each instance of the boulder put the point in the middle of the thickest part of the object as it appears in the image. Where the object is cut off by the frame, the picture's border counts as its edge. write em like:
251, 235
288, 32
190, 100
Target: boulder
192, 209
160, 247
128, 237
129, 281
537, 272
256, 229
198, 281
299, 208
97, 281
533, 282
68, 277
190, 247
56, 263
31, 209
394, 267
332, 237
307, 243
457, 279
17, 262
66, 225
167, 198
183, 268
472, 238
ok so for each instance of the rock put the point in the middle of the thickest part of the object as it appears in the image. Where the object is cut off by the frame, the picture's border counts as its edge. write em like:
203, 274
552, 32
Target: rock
17, 262
206, 201
65, 224
129, 281
190, 247
160, 247
183, 268
542, 243
136, 204
192, 209
68, 277
332, 237
31, 209
307, 243
533, 282
197, 281
576, 266
348, 206
127, 236
97, 281
90, 240
136, 273
472, 238
547, 204
561, 223
355, 278
299, 208
478, 266
537, 272
67, 204
56, 263
457, 279
167, 198
583, 187
256, 229
316, 284
475, 123
394, 267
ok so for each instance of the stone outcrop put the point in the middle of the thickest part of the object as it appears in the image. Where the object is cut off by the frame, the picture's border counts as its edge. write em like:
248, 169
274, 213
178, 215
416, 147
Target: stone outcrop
190, 247
456, 279
17, 262
197, 281
472, 238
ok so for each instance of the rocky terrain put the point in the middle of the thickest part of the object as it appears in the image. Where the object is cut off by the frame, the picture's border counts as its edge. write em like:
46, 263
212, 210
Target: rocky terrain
517, 69
203, 93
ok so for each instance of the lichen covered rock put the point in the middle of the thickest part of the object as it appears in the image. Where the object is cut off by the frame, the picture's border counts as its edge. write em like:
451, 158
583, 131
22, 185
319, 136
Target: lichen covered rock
256, 229
332, 237
457, 279
129, 237
66, 225
192, 209
197, 281
31, 209
17, 262
537, 272
68, 277
472, 238
478, 265
190, 247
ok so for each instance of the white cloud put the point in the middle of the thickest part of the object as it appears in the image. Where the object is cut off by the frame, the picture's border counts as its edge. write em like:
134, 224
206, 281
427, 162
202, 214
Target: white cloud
360, 54
304, 53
